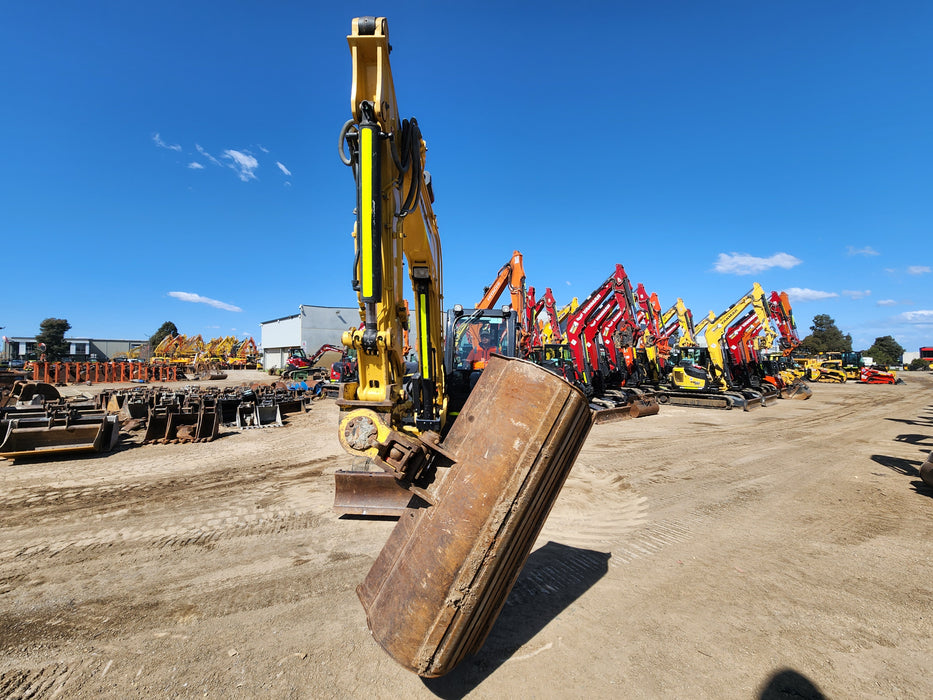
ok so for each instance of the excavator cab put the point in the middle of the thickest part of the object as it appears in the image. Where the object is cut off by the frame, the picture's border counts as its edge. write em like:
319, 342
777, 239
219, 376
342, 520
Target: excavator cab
688, 370
471, 337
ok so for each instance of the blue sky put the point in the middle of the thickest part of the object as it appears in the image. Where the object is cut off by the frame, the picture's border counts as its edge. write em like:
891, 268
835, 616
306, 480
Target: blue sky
178, 161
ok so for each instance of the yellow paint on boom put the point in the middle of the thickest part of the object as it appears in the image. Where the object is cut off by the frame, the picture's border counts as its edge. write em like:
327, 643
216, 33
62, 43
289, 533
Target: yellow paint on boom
366, 211
423, 336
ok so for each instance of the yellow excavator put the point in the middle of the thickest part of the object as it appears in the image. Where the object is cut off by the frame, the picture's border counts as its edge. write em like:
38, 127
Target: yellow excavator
703, 376
478, 489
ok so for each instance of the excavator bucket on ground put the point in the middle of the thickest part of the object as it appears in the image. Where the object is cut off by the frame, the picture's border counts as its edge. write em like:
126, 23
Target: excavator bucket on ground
926, 470
71, 432
439, 583
158, 422
797, 390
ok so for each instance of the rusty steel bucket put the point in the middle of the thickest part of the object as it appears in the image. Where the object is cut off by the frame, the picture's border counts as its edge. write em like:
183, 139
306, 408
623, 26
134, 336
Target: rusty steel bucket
926, 470
29, 437
797, 390
439, 583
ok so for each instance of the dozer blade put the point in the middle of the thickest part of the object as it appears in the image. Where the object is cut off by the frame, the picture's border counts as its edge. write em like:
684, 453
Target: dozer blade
697, 399
371, 493
769, 394
629, 403
439, 583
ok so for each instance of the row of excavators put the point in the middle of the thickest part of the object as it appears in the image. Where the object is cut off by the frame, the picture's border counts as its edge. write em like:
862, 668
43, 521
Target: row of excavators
198, 359
469, 444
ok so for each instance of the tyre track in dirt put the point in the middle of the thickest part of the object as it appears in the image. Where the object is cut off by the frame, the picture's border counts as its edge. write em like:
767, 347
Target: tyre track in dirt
727, 533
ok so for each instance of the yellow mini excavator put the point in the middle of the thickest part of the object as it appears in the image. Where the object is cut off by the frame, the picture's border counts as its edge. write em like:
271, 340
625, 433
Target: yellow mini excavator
702, 375
478, 490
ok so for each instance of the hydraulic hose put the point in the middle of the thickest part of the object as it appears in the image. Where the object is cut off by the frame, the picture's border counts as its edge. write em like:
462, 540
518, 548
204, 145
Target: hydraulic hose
350, 159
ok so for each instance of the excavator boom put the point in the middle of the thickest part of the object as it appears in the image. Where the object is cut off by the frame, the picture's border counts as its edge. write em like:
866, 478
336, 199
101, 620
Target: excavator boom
477, 489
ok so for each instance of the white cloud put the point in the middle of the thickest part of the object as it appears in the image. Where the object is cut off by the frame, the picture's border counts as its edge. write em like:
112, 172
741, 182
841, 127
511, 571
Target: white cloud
157, 140
803, 294
207, 155
856, 294
243, 164
918, 270
867, 250
194, 165
283, 169
198, 299
745, 264
924, 316
886, 302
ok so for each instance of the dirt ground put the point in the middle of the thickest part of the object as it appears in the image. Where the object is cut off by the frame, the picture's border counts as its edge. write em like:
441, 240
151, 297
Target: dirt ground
692, 554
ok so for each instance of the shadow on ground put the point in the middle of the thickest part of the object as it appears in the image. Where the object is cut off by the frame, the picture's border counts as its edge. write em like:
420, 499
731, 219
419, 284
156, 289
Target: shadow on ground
908, 467
786, 684
554, 576
916, 439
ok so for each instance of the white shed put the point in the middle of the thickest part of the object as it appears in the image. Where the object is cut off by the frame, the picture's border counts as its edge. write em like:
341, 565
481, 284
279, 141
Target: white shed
309, 329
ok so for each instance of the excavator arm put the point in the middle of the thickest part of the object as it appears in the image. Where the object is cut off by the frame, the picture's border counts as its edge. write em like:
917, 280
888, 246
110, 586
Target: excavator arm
395, 221
511, 275
717, 328
550, 308
685, 325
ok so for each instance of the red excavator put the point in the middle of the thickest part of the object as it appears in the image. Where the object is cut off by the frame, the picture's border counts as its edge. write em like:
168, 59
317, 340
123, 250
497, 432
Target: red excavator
613, 380
299, 366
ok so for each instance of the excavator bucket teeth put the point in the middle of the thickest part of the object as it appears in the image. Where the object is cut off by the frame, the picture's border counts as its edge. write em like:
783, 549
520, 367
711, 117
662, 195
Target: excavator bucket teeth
439, 583
370, 493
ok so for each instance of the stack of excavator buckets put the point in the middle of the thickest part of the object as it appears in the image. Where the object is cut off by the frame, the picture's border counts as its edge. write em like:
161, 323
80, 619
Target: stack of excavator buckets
196, 414
34, 419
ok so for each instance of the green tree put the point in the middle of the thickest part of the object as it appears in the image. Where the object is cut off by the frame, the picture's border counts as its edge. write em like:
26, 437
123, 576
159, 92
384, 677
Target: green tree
52, 333
825, 337
886, 351
167, 328
918, 365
